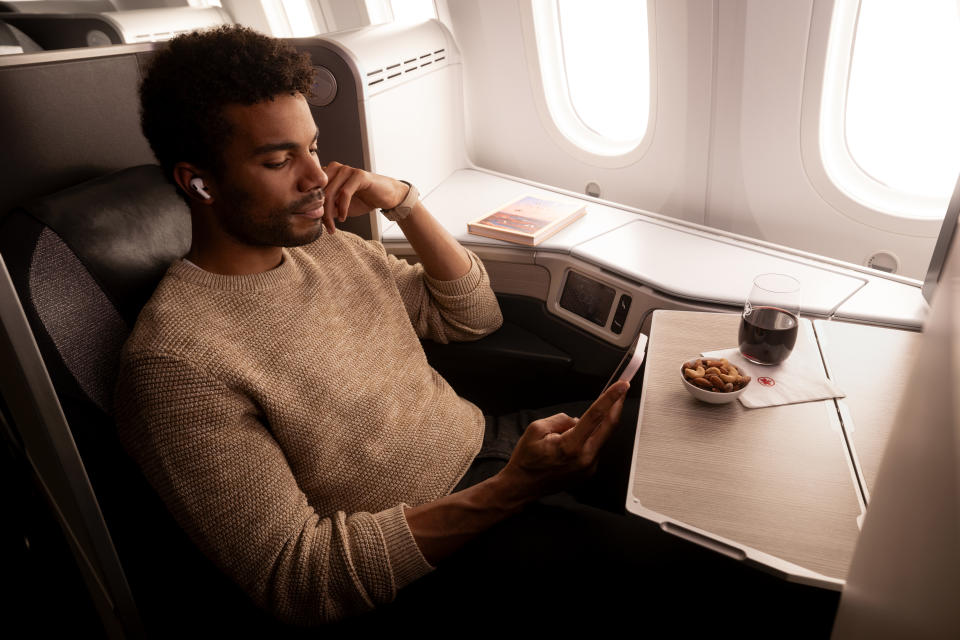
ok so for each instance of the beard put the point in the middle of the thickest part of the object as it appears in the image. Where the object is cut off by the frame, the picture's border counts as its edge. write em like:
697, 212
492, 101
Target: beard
274, 229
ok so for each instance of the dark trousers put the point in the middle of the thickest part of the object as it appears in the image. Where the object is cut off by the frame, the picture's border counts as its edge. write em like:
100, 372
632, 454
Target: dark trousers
606, 489
576, 559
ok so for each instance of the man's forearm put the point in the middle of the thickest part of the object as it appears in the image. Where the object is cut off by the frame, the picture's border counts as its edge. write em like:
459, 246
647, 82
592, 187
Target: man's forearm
443, 526
440, 254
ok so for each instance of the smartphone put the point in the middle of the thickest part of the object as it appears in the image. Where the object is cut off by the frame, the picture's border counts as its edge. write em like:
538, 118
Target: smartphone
631, 361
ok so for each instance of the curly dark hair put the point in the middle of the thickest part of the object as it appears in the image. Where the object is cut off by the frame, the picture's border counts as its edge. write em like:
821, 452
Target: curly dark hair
191, 79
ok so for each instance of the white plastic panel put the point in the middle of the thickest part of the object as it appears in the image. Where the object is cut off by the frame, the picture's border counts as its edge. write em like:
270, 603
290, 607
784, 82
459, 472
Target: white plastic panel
691, 266
766, 180
151, 25
416, 129
393, 54
412, 100
886, 303
469, 194
652, 250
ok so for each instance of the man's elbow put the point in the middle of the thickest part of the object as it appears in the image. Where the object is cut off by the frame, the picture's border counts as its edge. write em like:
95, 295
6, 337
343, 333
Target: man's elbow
495, 320
488, 319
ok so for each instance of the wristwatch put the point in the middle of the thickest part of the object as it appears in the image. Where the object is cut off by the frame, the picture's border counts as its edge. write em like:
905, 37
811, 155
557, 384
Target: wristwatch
405, 207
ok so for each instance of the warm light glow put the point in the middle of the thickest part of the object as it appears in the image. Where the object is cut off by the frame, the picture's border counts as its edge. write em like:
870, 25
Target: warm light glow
276, 19
607, 63
300, 18
902, 120
413, 10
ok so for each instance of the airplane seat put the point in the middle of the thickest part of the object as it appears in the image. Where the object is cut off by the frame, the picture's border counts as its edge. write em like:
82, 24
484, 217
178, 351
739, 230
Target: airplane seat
7, 37
72, 25
12, 40
83, 262
66, 31
57, 6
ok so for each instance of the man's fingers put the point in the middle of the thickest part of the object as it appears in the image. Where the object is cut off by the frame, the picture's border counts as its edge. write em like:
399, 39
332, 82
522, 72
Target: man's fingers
347, 192
594, 416
335, 178
602, 432
557, 423
343, 185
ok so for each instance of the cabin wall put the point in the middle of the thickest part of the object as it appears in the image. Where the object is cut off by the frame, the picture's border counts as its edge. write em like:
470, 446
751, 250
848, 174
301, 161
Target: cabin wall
730, 140
905, 575
506, 133
726, 146
759, 178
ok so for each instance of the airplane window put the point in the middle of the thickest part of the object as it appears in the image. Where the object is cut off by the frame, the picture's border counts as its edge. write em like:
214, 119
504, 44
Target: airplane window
907, 84
606, 59
593, 64
413, 10
896, 123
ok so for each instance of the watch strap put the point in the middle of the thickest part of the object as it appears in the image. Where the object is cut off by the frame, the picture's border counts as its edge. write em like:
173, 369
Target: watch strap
405, 208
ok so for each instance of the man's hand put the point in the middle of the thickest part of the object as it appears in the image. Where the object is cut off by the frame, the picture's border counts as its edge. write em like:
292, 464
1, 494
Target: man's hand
354, 192
556, 450
551, 453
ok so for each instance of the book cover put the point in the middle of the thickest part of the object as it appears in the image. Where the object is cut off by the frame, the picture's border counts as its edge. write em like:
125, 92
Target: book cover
527, 220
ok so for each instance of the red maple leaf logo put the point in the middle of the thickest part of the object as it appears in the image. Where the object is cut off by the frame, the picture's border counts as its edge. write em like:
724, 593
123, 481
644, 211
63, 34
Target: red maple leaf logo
767, 382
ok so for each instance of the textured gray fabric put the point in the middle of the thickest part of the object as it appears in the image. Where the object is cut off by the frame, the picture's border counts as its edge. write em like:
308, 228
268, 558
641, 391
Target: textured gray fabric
86, 329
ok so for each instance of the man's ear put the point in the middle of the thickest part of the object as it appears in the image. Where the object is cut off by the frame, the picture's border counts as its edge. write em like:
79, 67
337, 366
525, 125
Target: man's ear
191, 179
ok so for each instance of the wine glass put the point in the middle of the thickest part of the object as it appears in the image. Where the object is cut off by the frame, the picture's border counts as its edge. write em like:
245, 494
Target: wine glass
771, 318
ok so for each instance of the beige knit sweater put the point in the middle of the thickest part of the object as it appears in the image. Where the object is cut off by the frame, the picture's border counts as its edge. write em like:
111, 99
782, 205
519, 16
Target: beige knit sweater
286, 417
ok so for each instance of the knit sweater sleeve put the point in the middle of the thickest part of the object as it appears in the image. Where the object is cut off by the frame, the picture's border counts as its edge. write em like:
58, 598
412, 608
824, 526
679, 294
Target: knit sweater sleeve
227, 482
444, 310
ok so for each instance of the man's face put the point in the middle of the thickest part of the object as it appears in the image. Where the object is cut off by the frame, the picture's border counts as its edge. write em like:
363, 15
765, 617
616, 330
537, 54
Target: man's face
270, 192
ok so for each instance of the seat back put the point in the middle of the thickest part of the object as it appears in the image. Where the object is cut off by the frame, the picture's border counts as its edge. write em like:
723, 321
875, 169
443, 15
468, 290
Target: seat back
81, 264
66, 30
57, 6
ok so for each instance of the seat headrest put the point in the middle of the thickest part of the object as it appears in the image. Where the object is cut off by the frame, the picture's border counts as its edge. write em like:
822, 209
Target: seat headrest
125, 228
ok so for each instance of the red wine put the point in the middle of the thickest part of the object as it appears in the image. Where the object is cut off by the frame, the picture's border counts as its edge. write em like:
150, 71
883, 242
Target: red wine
768, 334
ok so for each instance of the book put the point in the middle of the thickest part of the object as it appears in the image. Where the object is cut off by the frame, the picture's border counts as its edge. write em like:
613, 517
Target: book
528, 220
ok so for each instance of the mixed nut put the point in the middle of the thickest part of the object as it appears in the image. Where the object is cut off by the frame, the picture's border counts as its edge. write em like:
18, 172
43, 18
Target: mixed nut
714, 375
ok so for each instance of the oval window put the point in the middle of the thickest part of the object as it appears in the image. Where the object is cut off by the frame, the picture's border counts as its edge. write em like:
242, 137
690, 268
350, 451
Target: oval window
606, 62
891, 139
595, 68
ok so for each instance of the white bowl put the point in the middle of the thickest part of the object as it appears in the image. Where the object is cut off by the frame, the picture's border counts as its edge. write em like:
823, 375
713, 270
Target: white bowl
713, 397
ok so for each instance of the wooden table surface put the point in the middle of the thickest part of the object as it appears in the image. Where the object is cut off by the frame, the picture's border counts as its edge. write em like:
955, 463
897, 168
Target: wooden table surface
870, 365
774, 486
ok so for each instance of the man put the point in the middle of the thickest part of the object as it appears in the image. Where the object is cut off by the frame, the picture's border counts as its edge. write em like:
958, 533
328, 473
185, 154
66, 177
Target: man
274, 390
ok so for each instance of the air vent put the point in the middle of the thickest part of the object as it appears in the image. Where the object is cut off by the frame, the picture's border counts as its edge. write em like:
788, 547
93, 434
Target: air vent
884, 261
159, 36
404, 67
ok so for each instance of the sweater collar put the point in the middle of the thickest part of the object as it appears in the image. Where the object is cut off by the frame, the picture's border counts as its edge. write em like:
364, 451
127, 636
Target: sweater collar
278, 276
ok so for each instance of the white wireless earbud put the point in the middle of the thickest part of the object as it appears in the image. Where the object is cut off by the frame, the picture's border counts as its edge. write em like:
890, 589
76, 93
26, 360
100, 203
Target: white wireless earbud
197, 185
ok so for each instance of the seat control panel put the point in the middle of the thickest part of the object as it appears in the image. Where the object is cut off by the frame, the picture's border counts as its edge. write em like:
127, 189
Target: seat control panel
620, 315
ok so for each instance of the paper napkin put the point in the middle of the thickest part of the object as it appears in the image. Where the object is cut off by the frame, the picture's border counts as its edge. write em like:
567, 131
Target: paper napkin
799, 378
